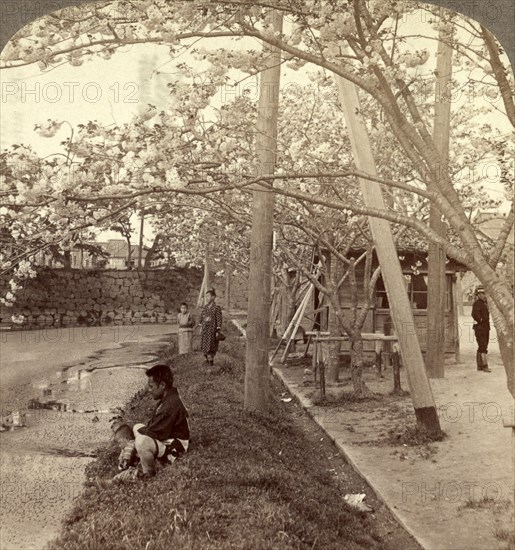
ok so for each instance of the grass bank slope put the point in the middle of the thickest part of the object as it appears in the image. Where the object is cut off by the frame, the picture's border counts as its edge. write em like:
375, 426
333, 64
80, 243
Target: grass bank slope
250, 481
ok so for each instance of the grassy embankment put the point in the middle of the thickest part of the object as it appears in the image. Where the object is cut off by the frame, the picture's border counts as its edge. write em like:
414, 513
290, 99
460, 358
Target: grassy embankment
251, 481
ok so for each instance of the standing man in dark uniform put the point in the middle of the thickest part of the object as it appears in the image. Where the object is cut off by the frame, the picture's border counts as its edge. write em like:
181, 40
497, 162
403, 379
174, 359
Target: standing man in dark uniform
481, 316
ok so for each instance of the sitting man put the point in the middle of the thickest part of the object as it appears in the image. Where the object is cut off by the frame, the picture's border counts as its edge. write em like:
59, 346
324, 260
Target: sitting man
167, 434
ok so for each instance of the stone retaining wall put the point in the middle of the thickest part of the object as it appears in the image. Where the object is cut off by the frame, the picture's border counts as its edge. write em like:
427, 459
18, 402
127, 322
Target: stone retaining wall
58, 297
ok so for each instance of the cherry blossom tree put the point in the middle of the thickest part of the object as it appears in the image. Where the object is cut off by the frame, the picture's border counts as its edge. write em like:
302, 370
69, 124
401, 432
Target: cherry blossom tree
362, 41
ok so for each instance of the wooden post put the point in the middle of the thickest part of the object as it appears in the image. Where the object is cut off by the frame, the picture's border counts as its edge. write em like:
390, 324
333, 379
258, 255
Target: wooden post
200, 300
315, 359
299, 315
321, 366
257, 370
396, 370
436, 284
207, 278
305, 354
459, 293
379, 344
140, 250
227, 287
286, 335
274, 311
455, 321
400, 307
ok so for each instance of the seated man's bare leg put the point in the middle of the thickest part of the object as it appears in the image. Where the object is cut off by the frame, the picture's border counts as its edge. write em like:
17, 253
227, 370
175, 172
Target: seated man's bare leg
146, 449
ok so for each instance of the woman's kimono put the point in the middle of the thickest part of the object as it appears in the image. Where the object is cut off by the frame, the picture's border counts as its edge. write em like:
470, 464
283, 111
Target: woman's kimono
186, 324
211, 319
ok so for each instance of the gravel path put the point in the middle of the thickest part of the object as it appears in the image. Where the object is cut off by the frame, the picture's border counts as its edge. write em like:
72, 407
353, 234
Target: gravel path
42, 465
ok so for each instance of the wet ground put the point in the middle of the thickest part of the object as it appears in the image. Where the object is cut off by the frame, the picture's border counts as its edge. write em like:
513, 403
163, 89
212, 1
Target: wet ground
65, 384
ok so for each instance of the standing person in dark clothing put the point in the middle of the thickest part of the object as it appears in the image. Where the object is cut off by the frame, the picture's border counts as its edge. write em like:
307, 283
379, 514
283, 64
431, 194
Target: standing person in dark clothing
211, 322
167, 433
481, 316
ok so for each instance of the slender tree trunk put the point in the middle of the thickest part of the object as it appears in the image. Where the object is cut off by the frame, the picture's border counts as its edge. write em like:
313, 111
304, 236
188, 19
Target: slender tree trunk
436, 291
359, 386
333, 362
459, 294
140, 250
67, 259
257, 370
129, 253
152, 251
227, 286
333, 268
505, 347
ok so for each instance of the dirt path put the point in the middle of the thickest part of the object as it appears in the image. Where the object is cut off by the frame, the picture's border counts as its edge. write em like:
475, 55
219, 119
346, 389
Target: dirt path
452, 494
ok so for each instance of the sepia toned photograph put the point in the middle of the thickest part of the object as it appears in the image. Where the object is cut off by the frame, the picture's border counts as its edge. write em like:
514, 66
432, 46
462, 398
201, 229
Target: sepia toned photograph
256, 275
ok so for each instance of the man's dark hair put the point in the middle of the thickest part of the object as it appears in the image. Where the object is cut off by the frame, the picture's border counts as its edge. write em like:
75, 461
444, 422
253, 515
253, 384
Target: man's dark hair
184, 304
161, 373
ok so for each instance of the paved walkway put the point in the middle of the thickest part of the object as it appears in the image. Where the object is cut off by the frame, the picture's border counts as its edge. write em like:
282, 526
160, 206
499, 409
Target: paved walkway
451, 495
454, 494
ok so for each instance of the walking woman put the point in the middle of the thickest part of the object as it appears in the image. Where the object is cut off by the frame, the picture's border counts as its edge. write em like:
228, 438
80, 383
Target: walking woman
186, 324
211, 321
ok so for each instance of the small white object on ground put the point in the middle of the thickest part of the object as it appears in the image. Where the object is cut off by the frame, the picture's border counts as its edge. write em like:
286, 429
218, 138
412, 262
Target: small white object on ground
286, 399
356, 501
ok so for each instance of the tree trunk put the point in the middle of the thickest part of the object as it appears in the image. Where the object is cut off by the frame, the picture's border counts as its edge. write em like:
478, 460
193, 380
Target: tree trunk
436, 284
359, 386
505, 342
227, 286
206, 284
333, 361
459, 293
67, 259
152, 251
129, 253
289, 307
333, 268
257, 370
140, 250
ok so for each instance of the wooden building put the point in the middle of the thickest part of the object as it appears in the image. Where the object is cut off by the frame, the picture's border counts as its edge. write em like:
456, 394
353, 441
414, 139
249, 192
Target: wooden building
414, 267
